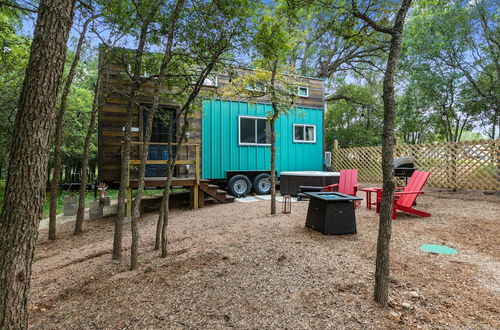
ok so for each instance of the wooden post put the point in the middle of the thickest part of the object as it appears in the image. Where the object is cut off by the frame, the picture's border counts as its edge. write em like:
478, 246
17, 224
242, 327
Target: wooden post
201, 198
334, 154
195, 191
195, 196
197, 164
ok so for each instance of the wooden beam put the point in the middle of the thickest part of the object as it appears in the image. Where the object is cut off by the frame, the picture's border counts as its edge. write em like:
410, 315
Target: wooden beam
162, 162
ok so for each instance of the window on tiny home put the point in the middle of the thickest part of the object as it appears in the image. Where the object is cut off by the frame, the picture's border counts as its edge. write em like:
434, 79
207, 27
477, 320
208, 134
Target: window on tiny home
257, 87
163, 131
211, 80
302, 91
304, 133
253, 131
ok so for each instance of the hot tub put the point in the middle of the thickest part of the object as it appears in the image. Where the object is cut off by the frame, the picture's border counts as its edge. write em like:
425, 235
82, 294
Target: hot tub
290, 181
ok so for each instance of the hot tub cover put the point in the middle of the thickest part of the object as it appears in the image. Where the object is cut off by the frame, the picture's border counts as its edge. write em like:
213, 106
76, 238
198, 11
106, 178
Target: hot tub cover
310, 173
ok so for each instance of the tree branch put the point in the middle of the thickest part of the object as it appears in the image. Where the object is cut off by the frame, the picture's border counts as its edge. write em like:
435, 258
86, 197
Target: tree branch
16, 6
374, 25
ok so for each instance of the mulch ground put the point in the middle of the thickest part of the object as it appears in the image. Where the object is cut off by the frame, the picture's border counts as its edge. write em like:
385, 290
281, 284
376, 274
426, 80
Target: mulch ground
235, 266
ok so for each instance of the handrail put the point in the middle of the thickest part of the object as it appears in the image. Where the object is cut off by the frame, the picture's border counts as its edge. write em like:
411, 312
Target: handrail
197, 172
195, 162
165, 143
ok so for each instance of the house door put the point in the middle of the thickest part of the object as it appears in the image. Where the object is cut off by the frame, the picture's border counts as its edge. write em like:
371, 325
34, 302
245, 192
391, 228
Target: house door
163, 131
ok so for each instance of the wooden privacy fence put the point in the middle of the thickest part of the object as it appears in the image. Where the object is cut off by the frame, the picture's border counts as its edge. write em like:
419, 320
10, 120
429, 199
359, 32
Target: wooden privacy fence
460, 165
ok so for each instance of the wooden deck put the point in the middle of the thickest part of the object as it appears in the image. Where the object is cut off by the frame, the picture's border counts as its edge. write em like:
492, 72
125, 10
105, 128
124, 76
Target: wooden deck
200, 189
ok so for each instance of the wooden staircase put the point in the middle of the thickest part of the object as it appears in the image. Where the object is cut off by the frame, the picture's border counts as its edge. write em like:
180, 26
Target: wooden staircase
219, 195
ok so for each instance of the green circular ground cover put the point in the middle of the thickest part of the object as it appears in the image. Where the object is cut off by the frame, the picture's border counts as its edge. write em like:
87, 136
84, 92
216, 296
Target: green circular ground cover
440, 249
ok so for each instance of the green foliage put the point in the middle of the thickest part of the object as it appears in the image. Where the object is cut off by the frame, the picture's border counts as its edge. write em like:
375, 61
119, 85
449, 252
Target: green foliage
76, 122
14, 53
272, 44
448, 59
449, 81
354, 118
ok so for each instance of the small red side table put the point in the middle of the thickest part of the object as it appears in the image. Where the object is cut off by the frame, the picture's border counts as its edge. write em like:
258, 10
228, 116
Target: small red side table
369, 192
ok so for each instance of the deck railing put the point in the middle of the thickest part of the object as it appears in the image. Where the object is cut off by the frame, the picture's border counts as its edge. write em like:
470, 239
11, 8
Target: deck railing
196, 163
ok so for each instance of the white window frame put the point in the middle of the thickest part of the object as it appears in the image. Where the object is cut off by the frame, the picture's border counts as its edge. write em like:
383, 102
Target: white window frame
303, 127
239, 132
143, 74
216, 80
307, 91
253, 89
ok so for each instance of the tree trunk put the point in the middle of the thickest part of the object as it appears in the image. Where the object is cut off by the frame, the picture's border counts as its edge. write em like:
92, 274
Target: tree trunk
172, 158
165, 206
273, 162
272, 122
59, 130
149, 128
124, 176
67, 173
159, 228
86, 146
180, 134
381, 290
25, 188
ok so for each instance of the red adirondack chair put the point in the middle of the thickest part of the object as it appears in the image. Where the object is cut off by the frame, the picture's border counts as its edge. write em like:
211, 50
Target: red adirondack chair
404, 200
348, 184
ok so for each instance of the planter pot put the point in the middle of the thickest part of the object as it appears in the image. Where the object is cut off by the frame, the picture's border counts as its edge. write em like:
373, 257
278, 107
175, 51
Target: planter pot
106, 201
110, 210
70, 205
95, 210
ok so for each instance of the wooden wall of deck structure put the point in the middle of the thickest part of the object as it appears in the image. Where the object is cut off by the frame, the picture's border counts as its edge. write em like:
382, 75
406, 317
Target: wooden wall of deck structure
113, 99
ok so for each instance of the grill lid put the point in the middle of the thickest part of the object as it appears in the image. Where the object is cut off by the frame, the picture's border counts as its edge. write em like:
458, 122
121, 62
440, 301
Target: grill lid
403, 162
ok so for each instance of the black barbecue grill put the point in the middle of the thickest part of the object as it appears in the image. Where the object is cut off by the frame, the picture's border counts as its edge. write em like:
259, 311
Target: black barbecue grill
404, 167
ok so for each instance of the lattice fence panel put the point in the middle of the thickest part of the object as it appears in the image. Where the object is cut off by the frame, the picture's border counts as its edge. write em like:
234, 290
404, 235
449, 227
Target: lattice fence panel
461, 165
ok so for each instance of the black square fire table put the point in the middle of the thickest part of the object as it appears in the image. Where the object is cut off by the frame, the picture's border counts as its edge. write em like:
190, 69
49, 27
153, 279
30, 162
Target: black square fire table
331, 213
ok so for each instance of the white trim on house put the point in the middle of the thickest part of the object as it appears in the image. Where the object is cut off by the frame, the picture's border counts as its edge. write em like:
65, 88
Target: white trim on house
307, 91
304, 133
213, 82
255, 89
239, 131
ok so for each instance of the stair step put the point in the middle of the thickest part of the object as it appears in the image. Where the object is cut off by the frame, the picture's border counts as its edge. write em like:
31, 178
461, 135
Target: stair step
213, 186
230, 198
221, 192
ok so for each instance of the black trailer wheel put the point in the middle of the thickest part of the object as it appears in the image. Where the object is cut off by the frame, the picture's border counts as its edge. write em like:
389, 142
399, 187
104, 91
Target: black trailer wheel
262, 184
239, 185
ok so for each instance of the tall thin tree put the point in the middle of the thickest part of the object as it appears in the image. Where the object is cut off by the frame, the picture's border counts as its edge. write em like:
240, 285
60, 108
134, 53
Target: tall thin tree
181, 127
25, 188
132, 103
54, 187
381, 292
272, 44
212, 30
167, 56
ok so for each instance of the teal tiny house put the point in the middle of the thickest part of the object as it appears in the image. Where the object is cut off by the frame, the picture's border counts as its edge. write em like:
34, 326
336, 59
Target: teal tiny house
227, 141
234, 139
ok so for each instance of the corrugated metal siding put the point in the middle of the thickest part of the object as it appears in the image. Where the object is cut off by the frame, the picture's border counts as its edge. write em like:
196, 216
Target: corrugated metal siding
221, 152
